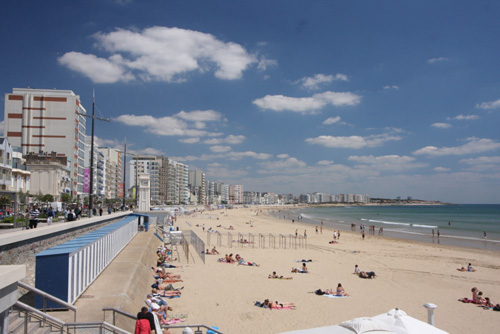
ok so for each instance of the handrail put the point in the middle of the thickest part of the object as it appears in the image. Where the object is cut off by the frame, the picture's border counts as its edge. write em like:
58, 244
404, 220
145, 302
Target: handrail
163, 326
48, 296
106, 325
45, 317
198, 326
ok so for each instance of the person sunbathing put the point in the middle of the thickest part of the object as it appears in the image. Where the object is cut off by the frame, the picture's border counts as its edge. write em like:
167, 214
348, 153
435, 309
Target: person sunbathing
207, 252
340, 291
469, 268
276, 305
367, 274
214, 251
165, 292
230, 259
274, 275
462, 269
299, 270
242, 261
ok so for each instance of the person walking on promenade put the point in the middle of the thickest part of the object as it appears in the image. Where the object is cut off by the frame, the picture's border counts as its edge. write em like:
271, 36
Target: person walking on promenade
100, 211
33, 217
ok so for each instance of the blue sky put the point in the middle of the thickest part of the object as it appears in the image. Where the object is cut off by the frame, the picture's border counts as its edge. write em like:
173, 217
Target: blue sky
385, 98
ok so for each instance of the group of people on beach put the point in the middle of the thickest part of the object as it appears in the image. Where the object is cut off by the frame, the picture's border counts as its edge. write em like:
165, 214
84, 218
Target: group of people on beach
155, 313
479, 299
237, 259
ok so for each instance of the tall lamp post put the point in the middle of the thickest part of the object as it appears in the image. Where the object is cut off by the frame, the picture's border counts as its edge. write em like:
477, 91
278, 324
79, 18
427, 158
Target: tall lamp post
91, 185
125, 171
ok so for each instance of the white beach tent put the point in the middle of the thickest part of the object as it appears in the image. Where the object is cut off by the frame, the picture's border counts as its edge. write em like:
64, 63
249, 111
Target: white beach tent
395, 321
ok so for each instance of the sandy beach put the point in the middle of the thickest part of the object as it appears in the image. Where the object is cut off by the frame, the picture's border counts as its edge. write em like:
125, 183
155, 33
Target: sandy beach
409, 274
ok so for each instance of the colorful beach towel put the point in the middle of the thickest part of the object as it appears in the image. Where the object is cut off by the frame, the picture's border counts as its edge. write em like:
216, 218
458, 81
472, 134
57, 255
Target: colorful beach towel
172, 321
335, 296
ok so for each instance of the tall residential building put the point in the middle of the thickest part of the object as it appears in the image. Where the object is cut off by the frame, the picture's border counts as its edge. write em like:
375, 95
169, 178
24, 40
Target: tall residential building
150, 165
5, 164
113, 184
197, 185
99, 173
46, 120
235, 194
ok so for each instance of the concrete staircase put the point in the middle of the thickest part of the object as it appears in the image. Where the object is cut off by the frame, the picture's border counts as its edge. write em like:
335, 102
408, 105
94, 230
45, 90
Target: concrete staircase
17, 324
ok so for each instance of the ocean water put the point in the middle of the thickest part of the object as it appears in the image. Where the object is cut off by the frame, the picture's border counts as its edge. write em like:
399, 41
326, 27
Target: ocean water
459, 225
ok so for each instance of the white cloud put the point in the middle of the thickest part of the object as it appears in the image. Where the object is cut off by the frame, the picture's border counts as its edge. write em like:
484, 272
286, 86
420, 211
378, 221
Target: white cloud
354, 142
150, 151
489, 105
307, 105
220, 148
289, 162
474, 145
231, 139
483, 163
189, 124
99, 70
315, 81
160, 54
265, 63
325, 162
387, 162
228, 155
199, 115
282, 156
331, 120
441, 125
391, 87
193, 140
436, 60
464, 117
442, 169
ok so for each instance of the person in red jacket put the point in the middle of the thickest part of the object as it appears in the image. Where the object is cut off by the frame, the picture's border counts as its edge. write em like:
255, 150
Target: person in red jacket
145, 322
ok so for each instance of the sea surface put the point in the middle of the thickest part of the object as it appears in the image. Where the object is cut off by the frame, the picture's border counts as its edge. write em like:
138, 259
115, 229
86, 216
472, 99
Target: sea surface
459, 225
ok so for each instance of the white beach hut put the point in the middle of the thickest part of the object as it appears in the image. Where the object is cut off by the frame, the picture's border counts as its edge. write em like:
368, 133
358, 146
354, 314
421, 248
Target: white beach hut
395, 321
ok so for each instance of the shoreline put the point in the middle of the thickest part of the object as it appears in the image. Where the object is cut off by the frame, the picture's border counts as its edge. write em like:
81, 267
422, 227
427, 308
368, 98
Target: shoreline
427, 238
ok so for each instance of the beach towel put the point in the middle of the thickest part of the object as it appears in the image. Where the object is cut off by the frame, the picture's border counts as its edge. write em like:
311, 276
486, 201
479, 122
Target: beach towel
286, 278
172, 321
283, 308
335, 296
466, 300
211, 331
170, 297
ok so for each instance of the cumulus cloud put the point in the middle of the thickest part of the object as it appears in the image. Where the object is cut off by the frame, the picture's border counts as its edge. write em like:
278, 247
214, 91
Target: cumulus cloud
227, 155
483, 163
354, 142
99, 70
442, 169
474, 145
289, 162
391, 87
464, 117
231, 139
387, 162
489, 105
325, 162
307, 105
193, 140
441, 125
159, 54
331, 120
186, 124
265, 63
315, 81
220, 148
436, 60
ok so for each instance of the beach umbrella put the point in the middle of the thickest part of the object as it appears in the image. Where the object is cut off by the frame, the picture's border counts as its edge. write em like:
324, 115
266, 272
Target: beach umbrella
400, 319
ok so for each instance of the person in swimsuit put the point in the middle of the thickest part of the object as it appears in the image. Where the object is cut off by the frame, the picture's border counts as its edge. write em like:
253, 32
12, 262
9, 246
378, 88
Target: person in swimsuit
340, 291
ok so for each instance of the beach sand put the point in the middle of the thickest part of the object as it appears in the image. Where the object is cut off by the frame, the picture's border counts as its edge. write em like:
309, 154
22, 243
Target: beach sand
410, 274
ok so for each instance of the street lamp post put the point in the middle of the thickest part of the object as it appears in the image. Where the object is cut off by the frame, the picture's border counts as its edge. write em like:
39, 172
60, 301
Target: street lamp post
124, 174
91, 185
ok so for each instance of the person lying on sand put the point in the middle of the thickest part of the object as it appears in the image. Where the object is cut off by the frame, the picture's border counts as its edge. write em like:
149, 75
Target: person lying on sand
242, 262
300, 270
274, 275
274, 305
367, 274
208, 252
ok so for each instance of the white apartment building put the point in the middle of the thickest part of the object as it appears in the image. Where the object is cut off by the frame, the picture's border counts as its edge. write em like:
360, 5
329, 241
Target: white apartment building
21, 176
149, 165
113, 171
5, 164
49, 174
46, 120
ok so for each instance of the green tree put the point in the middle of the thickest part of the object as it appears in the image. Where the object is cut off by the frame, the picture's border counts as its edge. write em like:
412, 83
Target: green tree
66, 198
